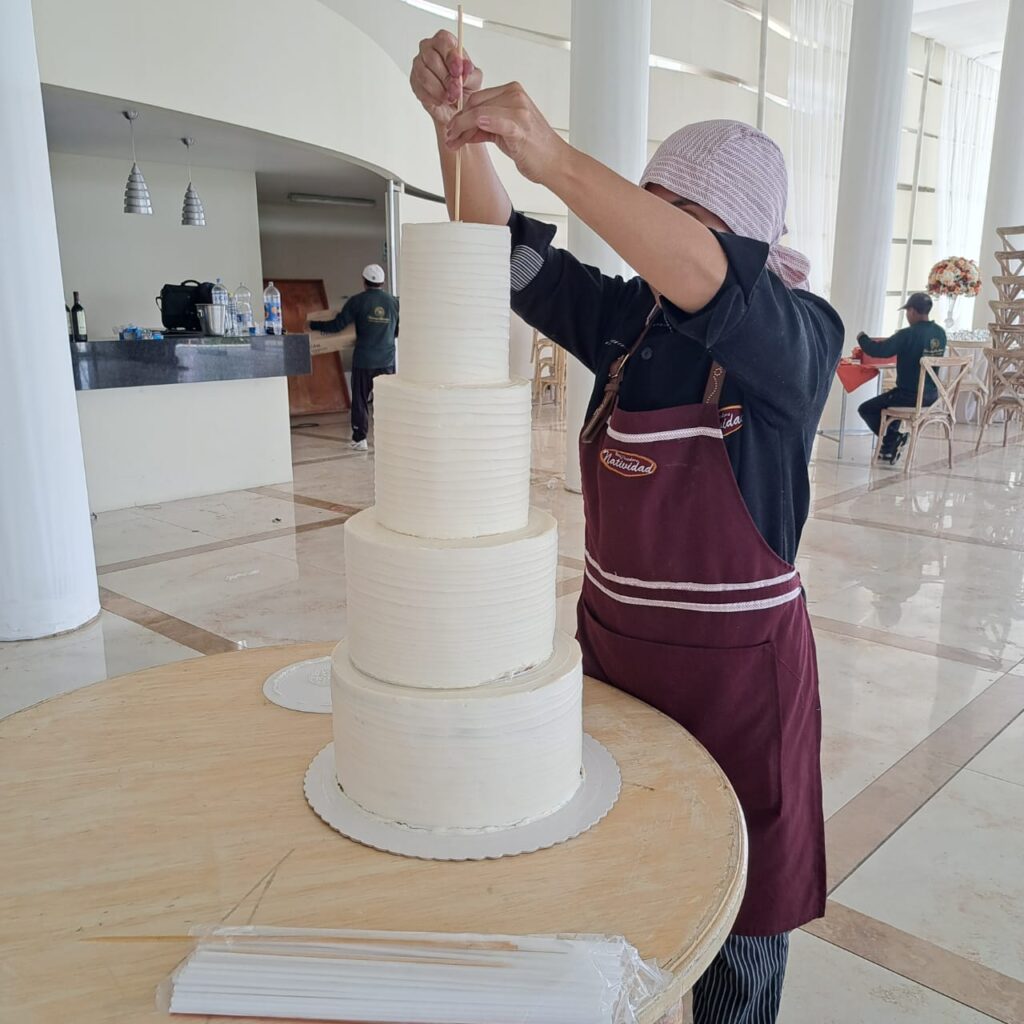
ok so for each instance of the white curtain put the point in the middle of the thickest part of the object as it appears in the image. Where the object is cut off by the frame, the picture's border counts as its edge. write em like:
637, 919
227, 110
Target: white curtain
817, 98
970, 90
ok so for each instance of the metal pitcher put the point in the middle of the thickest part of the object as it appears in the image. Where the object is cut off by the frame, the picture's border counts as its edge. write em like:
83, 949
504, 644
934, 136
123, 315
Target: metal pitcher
213, 318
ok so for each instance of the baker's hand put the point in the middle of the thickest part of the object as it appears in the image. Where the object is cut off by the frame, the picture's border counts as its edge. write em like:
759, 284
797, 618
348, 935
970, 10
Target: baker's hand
508, 117
435, 76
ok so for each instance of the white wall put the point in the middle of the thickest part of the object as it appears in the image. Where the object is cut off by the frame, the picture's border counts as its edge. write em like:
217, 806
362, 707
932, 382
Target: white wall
152, 444
329, 243
336, 261
303, 72
118, 261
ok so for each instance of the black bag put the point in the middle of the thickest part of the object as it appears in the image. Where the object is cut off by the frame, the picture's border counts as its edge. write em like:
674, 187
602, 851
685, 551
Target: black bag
177, 304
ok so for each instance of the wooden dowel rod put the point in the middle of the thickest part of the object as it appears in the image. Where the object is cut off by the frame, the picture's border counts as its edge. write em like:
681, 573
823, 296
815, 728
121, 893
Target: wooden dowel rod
458, 155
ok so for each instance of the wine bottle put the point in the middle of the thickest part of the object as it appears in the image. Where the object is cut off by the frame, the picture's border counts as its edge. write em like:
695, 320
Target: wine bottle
78, 320
71, 330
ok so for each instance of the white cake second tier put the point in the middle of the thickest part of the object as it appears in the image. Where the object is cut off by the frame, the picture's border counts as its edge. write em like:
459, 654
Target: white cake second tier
452, 461
449, 613
484, 758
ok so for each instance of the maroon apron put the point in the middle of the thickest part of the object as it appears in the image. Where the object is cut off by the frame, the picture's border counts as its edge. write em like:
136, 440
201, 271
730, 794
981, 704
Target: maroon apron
686, 607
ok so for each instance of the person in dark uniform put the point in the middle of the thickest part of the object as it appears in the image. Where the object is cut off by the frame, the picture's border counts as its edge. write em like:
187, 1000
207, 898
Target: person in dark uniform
375, 314
712, 368
922, 337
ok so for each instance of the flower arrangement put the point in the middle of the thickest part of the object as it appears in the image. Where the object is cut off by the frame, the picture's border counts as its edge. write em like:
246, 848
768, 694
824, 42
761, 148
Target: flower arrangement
954, 276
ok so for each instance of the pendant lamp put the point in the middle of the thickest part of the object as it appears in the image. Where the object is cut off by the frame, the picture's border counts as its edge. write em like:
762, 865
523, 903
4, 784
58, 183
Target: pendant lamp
192, 214
136, 191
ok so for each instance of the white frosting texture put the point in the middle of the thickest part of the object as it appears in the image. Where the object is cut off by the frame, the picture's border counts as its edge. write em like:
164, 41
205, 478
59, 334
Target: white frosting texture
442, 613
455, 303
452, 462
481, 758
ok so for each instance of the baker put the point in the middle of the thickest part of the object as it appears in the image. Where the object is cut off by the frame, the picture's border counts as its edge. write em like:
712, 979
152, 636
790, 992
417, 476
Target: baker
712, 368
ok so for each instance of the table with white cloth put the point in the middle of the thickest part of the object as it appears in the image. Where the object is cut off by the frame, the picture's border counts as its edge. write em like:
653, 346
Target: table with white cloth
972, 344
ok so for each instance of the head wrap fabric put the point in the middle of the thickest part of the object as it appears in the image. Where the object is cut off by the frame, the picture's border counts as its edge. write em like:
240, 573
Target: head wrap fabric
739, 175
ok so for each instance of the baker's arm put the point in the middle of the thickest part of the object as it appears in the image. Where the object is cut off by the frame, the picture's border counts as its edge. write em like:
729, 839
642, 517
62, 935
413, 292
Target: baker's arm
437, 72
674, 253
573, 304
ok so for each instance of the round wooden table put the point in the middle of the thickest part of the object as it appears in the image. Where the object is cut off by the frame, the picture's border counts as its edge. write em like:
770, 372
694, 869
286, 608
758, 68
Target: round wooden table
139, 807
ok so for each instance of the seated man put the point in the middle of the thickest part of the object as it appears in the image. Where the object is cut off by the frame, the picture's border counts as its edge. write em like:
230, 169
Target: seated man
922, 337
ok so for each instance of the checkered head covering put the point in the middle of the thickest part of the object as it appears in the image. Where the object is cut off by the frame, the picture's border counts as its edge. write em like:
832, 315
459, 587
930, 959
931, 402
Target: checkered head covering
738, 174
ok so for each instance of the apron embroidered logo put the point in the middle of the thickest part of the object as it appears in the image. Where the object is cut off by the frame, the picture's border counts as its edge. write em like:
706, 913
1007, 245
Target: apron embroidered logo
731, 417
627, 463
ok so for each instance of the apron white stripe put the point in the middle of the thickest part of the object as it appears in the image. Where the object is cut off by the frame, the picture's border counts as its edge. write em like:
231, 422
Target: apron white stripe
702, 588
691, 606
664, 435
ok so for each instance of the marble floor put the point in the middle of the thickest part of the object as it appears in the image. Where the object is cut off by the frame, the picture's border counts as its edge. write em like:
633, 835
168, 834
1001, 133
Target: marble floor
916, 589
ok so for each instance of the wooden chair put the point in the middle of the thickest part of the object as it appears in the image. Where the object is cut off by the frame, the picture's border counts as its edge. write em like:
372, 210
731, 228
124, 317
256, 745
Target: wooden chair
549, 370
1006, 373
1010, 312
972, 384
942, 412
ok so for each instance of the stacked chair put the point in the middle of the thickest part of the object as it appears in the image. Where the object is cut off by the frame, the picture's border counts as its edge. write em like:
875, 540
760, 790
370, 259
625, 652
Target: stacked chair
549, 371
1006, 356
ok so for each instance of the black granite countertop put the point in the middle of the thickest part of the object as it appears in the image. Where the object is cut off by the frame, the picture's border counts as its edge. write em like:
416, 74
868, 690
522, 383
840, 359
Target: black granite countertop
187, 359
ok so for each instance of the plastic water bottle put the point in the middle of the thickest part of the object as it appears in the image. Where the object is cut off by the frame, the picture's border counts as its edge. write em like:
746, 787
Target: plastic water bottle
221, 298
272, 320
242, 300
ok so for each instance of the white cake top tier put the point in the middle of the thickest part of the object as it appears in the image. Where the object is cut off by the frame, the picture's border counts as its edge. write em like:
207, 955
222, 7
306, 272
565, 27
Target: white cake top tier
452, 462
485, 758
449, 613
455, 303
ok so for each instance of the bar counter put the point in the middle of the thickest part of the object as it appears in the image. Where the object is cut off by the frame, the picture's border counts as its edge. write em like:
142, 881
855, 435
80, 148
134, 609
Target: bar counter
223, 426
187, 359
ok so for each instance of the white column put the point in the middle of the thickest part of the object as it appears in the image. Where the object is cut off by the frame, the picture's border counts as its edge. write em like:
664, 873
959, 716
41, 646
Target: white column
1004, 206
47, 569
609, 73
876, 79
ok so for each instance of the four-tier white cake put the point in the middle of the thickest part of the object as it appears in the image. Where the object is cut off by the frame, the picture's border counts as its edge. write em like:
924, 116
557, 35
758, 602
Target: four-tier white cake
456, 705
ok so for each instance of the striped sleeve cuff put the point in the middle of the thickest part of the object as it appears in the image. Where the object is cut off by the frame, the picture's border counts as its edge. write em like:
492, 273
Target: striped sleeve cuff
526, 265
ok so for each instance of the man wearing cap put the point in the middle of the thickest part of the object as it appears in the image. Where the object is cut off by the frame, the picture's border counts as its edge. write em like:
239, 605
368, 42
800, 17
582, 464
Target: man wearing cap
375, 315
922, 337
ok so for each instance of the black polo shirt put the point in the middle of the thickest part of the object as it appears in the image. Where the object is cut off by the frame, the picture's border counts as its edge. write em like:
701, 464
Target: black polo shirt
778, 346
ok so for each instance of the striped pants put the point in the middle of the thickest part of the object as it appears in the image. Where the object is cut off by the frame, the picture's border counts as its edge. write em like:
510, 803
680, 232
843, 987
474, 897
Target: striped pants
743, 985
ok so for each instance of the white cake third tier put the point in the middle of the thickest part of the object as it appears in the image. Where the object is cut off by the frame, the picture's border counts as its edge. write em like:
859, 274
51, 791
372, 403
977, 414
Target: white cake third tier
442, 613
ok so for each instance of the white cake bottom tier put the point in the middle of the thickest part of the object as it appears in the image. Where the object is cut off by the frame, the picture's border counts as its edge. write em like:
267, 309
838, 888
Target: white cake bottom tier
449, 613
488, 757
455, 313
452, 462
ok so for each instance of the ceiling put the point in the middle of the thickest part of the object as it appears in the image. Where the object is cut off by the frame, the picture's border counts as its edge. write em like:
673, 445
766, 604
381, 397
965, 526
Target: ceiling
974, 27
92, 125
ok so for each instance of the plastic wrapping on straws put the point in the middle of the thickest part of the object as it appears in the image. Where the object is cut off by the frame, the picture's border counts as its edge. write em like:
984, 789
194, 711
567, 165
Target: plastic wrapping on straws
411, 977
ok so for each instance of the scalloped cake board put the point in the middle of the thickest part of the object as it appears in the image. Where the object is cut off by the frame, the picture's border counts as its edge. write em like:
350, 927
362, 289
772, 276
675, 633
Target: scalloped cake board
596, 796
302, 686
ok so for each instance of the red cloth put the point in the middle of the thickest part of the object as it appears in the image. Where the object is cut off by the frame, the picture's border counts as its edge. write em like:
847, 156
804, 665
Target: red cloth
855, 373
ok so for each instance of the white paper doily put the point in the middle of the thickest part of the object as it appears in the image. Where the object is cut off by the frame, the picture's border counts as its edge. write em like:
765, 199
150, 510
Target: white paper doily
593, 800
304, 686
